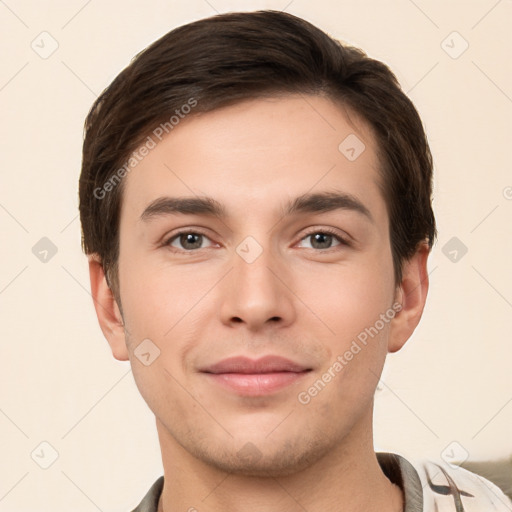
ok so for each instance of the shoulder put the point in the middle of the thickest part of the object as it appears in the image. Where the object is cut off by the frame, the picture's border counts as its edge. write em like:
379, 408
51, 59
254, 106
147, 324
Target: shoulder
150, 501
448, 487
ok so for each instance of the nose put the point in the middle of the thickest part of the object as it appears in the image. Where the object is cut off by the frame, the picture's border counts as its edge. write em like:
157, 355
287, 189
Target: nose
257, 293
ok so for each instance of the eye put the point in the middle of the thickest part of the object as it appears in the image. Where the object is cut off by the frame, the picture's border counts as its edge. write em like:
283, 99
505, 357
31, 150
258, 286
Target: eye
324, 239
188, 241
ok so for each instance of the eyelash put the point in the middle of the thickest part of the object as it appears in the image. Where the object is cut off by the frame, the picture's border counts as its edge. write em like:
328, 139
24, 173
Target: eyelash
326, 231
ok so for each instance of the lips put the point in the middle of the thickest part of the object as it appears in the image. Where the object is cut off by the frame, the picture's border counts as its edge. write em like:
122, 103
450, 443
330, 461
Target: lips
258, 377
267, 364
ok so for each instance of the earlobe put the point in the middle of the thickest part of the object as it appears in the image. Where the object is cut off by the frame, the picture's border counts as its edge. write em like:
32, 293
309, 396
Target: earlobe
412, 295
107, 310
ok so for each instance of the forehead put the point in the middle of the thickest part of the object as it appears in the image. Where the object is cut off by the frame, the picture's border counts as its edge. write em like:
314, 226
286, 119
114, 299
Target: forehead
253, 153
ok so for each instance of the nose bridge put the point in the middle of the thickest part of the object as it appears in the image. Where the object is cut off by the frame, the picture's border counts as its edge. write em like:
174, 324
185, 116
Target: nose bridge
256, 294
253, 272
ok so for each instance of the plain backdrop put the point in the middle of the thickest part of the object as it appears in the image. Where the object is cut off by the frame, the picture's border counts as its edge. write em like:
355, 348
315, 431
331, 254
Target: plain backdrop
452, 382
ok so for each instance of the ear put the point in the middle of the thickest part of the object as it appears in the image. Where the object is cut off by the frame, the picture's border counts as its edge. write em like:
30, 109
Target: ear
107, 310
411, 294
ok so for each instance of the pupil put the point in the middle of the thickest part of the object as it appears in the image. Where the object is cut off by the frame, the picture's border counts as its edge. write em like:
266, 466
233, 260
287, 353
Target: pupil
191, 239
322, 239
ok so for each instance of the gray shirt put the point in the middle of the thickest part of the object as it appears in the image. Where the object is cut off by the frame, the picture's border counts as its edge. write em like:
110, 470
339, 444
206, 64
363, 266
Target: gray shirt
428, 486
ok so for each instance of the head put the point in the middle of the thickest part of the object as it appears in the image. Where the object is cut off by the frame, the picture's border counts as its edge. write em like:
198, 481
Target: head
302, 175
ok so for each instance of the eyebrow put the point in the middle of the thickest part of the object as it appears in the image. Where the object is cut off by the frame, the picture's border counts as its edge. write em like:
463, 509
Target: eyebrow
307, 203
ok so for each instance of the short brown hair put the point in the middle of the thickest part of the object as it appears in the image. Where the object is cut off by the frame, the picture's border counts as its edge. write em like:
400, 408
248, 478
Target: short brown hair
233, 57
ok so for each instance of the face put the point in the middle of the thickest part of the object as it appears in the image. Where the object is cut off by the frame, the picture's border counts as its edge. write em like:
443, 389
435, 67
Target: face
255, 257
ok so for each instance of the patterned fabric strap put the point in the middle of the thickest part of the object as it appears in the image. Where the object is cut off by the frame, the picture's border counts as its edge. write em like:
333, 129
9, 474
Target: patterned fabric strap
449, 488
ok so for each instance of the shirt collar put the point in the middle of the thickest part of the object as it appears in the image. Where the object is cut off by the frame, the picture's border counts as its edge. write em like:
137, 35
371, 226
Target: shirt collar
396, 468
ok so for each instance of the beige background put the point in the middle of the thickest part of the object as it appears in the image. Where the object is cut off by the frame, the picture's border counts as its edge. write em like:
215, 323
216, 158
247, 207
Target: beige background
60, 384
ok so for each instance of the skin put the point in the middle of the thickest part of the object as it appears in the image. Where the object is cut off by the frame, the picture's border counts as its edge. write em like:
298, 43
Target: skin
298, 300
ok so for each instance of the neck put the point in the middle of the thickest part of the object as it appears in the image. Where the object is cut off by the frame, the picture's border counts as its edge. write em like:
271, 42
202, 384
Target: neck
347, 478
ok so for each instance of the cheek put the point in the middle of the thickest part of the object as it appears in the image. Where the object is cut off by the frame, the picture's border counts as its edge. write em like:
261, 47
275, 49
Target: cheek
155, 298
346, 298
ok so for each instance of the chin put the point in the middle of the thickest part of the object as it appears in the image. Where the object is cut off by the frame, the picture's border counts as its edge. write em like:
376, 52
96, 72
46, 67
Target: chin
269, 461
